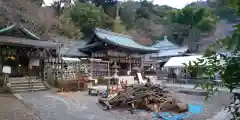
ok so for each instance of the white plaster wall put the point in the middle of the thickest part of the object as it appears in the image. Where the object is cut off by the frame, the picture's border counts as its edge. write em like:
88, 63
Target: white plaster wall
34, 62
130, 79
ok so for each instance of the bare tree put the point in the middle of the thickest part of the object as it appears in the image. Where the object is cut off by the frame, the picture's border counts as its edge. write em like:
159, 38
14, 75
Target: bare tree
38, 19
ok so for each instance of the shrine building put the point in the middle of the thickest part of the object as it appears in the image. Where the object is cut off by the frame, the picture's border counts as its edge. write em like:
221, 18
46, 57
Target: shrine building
23, 51
119, 48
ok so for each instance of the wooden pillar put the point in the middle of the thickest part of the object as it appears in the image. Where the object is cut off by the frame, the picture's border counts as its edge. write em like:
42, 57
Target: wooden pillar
1, 58
130, 66
41, 65
141, 63
108, 64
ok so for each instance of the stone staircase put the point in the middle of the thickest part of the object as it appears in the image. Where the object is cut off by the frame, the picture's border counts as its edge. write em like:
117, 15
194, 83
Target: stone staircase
27, 84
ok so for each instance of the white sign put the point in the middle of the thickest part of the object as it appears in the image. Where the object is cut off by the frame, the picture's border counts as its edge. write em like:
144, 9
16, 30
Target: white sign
6, 69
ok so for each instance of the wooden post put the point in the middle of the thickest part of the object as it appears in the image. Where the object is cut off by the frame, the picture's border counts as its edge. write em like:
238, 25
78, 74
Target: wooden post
78, 85
108, 67
91, 60
130, 65
141, 63
108, 84
54, 71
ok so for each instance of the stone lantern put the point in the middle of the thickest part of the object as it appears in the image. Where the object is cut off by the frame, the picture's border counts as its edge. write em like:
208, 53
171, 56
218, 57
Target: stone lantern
114, 79
115, 76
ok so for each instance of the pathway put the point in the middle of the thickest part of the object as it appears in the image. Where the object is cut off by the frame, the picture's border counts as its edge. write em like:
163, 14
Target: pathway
13, 109
55, 106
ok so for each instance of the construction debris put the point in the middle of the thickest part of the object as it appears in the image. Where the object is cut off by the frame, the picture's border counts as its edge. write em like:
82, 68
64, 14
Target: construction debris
149, 97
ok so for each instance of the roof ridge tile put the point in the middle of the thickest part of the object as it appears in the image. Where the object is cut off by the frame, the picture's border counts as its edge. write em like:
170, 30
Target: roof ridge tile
112, 33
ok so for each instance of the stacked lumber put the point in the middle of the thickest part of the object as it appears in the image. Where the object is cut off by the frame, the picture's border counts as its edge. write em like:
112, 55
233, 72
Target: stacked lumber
150, 97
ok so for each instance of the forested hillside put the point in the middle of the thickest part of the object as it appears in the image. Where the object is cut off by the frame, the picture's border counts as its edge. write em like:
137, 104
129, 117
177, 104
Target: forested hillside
196, 25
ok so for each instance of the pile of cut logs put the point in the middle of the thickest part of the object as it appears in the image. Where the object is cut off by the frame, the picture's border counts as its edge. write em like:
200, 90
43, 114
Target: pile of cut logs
150, 97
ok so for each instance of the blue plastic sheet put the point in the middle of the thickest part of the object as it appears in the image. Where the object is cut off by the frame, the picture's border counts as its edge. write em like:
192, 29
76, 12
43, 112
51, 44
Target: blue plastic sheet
193, 110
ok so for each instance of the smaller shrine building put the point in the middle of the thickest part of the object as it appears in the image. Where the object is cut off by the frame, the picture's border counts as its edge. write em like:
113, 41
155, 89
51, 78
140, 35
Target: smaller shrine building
166, 50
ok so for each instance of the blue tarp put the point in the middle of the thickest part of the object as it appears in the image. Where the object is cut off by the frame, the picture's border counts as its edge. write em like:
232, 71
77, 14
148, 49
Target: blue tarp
193, 110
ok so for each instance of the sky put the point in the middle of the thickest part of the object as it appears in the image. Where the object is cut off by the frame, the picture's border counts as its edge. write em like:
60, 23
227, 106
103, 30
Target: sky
173, 3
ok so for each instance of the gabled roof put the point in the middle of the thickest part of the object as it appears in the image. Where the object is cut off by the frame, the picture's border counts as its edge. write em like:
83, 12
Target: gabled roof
28, 42
21, 28
165, 44
72, 50
121, 40
171, 52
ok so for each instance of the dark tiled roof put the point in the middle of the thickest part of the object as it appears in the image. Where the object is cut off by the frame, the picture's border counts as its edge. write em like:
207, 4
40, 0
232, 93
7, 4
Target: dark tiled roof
28, 42
121, 40
72, 49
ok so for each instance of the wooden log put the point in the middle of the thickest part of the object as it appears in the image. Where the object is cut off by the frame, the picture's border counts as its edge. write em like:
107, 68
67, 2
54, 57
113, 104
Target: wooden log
146, 97
106, 105
182, 107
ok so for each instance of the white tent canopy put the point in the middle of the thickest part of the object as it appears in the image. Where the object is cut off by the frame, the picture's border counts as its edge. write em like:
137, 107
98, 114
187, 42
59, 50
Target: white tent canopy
178, 62
70, 59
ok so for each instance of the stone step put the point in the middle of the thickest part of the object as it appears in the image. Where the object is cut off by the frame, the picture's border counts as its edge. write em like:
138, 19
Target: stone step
13, 84
16, 78
34, 87
27, 84
23, 87
21, 78
25, 80
29, 90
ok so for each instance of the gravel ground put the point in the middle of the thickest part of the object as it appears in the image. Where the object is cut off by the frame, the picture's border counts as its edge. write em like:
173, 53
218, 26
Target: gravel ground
78, 105
13, 109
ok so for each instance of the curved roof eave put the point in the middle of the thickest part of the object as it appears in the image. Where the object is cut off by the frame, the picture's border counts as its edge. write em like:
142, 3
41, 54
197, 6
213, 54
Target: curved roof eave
165, 44
29, 42
134, 45
7, 28
33, 36
29, 33
125, 46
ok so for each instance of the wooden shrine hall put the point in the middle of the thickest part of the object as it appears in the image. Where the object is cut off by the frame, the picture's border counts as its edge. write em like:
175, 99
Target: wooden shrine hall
23, 51
119, 48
